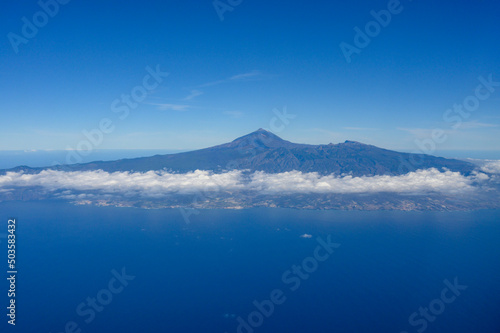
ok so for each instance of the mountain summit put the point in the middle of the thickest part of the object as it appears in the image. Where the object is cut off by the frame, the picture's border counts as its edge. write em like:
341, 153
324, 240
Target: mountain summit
260, 139
264, 151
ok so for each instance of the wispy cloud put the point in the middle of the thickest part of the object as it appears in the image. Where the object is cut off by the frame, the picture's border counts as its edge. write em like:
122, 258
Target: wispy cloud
466, 125
54, 133
421, 133
144, 134
234, 114
238, 77
244, 76
193, 94
322, 130
255, 74
476, 124
171, 107
361, 129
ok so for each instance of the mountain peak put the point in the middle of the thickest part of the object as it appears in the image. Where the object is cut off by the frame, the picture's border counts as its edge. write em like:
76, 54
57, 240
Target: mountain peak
265, 133
260, 138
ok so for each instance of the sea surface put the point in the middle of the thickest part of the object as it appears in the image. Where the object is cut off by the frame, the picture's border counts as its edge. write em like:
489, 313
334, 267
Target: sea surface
253, 270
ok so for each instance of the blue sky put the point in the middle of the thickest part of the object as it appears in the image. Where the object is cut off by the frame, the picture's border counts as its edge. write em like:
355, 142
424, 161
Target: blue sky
229, 77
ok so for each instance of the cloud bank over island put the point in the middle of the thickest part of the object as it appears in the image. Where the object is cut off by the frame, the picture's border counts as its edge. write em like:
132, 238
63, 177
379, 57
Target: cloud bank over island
156, 184
420, 181
147, 184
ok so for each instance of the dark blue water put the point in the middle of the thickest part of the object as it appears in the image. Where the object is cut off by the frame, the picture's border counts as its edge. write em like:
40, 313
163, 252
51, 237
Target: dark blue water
202, 276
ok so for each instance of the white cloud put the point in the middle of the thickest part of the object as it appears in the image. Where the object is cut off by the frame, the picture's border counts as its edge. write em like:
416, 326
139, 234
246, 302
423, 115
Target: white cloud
491, 167
361, 129
428, 132
193, 94
234, 114
238, 77
244, 76
430, 180
476, 124
422, 133
149, 183
160, 183
172, 107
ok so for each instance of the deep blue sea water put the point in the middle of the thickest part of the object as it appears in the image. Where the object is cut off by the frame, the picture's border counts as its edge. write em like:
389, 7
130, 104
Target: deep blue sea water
202, 276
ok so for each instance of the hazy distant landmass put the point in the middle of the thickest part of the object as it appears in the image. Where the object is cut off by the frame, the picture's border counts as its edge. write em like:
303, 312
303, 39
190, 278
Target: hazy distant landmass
42, 158
262, 170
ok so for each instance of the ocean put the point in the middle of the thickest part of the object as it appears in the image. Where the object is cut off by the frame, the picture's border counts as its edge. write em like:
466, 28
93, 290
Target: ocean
108, 269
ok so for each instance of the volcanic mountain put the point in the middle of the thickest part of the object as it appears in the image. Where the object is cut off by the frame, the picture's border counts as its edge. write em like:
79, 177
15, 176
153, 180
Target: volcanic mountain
264, 151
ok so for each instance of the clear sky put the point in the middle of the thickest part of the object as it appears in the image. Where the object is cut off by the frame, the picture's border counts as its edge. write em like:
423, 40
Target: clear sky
227, 76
